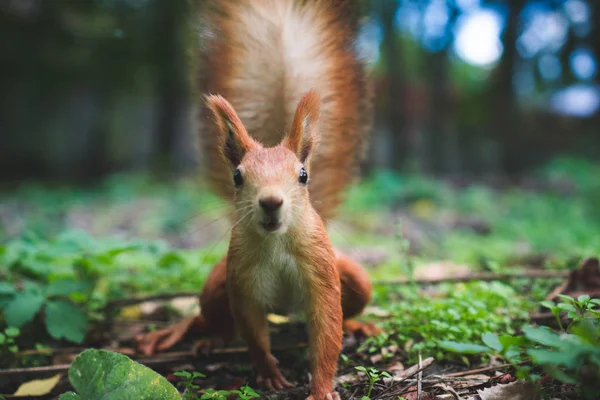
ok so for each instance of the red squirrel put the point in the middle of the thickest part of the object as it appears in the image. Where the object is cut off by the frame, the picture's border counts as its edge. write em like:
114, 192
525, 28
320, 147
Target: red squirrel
278, 66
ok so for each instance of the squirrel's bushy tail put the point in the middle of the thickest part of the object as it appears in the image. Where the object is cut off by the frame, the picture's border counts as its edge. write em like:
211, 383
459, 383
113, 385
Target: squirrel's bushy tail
262, 56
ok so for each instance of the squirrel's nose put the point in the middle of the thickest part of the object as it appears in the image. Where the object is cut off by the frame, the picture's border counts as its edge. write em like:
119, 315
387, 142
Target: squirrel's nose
271, 203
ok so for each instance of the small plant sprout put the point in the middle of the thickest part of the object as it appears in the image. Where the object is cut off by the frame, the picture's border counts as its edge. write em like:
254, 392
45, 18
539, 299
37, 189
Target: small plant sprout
215, 394
190, 387
576, 309
345, 359
374, 376
246, 393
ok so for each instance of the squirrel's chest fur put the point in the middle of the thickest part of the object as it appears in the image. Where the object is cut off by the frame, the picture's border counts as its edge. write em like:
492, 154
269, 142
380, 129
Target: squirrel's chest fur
274, 278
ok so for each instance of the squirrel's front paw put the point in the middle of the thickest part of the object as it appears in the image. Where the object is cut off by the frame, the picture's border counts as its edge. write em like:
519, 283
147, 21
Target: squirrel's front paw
328, 396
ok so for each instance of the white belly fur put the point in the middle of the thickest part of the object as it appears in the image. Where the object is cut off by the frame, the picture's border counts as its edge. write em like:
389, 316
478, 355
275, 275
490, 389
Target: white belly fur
277, 282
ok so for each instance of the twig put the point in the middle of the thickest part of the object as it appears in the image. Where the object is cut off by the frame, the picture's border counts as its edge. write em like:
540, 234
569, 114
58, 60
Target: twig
165, 358
480, 370
420, 378
404, 375
477, 276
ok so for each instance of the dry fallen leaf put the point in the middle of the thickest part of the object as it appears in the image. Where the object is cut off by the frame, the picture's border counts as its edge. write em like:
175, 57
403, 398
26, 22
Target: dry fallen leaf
518, 390
277, 319
468, 381
448, 389
38, 387
376, 312
187, 306
441, 270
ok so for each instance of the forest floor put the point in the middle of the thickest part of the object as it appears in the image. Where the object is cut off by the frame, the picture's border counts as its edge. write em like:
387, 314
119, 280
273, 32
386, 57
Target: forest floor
483, 291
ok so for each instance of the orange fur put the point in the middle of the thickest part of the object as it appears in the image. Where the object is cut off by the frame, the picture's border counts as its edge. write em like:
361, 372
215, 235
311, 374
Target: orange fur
262, 56
280, 256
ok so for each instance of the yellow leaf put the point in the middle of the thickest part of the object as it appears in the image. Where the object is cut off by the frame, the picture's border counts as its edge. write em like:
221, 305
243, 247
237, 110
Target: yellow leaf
277, 319
423, 208
38, 387
130, 312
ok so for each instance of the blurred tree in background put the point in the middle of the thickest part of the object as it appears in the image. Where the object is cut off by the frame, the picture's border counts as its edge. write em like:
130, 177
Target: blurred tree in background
464, 87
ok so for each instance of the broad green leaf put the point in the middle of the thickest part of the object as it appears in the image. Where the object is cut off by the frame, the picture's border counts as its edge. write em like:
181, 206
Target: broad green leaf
2, 338
22, 308
542, 335
508, 341
586, 330
546, 357
65, 287
7, 289
102, 374
492, 341
464, 348
64, 320
69, 396
560, 375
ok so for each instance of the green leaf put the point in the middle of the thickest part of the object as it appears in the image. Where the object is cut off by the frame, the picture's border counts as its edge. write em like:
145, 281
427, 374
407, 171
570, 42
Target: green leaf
584, 298
542, 335
362, 369
560, 375
567, 307
7, 289
492, 341
548, 304
509, 341
11, 331
22, 308
64, 320
69, 396
102, 374
566, 298
2, 338
65, 287
463, 348
545, 357
595, 301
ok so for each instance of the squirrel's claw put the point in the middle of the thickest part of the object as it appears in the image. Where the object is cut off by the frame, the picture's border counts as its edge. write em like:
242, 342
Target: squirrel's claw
275, 381
163, 339
329, 396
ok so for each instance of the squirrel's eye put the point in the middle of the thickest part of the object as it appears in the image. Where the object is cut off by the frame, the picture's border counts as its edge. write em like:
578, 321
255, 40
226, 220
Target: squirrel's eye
303, 176
237, 178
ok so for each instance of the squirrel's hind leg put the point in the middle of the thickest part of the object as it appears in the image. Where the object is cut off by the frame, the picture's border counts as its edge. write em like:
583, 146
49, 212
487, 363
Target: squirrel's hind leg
215, 319
356, 294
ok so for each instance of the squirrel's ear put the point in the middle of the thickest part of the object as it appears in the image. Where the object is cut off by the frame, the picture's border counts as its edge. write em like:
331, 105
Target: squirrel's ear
234, 139
303, 136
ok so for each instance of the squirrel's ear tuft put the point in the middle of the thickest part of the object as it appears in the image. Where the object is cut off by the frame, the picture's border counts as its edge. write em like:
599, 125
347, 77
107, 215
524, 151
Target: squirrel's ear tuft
234, 139
305, 127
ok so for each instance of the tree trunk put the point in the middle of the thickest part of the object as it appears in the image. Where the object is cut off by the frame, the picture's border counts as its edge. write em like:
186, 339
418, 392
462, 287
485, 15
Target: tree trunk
395, 94
504, 116
171, 85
